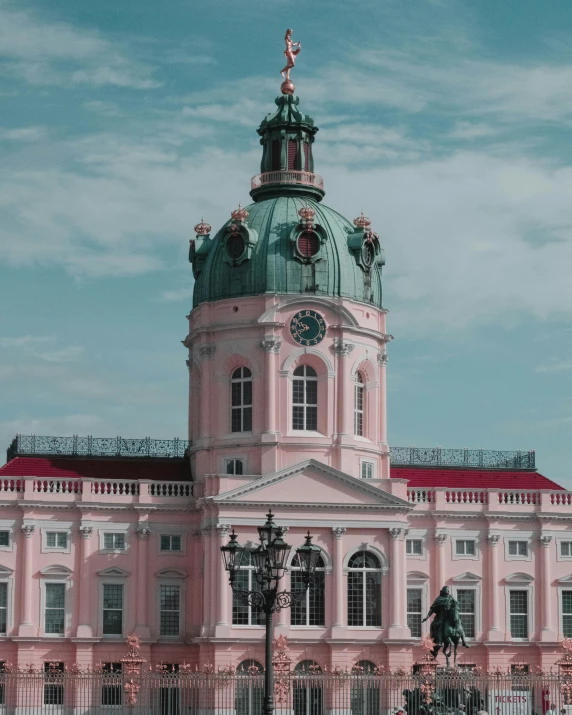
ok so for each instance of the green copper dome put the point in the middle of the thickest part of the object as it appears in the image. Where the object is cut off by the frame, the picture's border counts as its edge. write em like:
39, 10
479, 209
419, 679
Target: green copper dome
287, 242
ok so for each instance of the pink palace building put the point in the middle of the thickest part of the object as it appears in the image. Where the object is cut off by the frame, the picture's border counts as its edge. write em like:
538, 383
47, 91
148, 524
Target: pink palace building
287, 358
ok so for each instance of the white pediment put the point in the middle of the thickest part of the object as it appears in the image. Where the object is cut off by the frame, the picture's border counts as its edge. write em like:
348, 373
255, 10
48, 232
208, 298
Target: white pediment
171, 573
113, 571
566, 579
5, 571
56, 570
519, 578
467, 577
417, 576
312, 483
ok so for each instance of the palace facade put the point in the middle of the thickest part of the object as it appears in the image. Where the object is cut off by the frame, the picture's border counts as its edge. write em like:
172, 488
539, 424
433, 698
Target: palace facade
287, 357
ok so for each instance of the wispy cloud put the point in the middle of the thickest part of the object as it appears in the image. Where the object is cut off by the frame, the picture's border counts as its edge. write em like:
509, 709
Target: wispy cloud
177, 295
22, 134
555, 365
44, 52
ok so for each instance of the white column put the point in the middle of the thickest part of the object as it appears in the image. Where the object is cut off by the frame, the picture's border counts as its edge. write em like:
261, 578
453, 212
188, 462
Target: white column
398, 585
441, 540
141, 616
271, 346
26, 583
547, 631
84, 627
494, 628
222, 619
338, 532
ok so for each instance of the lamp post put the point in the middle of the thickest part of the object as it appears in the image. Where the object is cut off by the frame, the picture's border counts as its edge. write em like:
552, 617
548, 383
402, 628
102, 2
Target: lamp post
269, 561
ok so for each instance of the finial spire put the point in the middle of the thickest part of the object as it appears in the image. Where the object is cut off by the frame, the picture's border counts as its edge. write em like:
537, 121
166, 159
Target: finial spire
292, 49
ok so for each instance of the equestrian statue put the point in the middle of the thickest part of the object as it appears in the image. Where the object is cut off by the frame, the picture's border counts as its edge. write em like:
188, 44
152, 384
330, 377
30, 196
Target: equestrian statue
446, 628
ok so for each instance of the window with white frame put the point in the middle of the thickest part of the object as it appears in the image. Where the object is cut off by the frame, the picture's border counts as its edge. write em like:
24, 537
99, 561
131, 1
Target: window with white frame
466, 598
364, 590
242, 613
305, 398
465, 547
113, 541
518, 548
358, 404
566, 605
171, 542
56, 539
566, 549
367, 470
310, 610
3, 608
234, 466
55, 609
414, 547
170, 610
112, 621
241, 400
518, 604
4, 538
415, 611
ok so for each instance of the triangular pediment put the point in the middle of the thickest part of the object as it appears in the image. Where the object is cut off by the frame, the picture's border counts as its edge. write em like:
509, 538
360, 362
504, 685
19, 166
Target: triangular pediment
113, 571
312, 483
467, 577
171, 573
5, 571
566, 579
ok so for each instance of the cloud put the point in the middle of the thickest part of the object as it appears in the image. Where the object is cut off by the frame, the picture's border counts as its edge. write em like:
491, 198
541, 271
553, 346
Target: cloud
45, 52
40, 347
22, 134
555, 365
178, 294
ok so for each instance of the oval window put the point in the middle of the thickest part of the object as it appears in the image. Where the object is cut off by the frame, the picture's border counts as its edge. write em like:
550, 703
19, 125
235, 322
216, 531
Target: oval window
367, 254
235, 246
308, 244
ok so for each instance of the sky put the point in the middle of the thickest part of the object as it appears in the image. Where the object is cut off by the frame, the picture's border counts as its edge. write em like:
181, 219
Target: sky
448, 123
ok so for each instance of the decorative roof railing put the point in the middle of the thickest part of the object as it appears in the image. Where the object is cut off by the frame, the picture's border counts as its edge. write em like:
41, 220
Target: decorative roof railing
169, 448
304, 178
96, 446
483, 458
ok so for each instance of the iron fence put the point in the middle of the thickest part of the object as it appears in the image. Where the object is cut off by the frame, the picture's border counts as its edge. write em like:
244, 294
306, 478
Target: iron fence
311, 693
484, 458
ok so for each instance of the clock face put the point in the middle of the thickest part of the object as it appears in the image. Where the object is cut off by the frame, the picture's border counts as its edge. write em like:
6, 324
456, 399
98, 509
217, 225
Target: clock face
307, 327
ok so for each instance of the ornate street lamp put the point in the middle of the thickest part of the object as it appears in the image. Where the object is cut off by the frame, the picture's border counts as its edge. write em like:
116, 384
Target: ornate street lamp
269, 560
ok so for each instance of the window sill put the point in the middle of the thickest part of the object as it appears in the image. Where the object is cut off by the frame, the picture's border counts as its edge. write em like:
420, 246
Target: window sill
308, 628
243, 628
365, 628
305, 433
114, 551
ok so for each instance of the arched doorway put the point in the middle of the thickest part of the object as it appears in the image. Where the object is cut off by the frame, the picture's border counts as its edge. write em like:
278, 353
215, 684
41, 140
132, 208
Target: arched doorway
308, 691
249, 688
365, 692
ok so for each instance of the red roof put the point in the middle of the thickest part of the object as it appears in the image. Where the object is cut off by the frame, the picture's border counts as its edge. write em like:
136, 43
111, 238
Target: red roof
472, 478
176, 470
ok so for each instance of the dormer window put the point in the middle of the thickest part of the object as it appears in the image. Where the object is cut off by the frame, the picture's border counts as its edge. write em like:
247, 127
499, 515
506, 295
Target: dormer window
235, 246
308, 244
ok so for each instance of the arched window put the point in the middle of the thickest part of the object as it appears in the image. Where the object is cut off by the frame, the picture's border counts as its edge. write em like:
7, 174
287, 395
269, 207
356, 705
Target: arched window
242, 613
310, 611
358, 405
241, 400
305, 398
308, 693
249, 693
365, 692
364, 590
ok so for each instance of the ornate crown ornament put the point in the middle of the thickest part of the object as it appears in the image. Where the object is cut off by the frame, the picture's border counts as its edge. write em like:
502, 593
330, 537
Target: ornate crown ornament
202, 228
362, 221
239, 214
307, 213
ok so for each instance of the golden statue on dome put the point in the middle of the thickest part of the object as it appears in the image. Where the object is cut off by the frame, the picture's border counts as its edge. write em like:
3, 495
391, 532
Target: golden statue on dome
292, 49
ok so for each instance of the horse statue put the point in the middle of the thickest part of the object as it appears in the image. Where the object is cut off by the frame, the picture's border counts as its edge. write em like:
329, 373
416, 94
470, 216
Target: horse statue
446, 628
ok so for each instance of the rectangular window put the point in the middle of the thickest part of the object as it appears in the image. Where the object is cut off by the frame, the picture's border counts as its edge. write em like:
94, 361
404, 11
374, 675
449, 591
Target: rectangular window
55, 608
170, 610
518, 548
3, 608
4, 538
567, 614
112, 688
2, 684
170, 542
243, 614
414, 547
519, 614
114, 542
364, 598
414, 611
467, 610
566, 548
53, 683
465, 547
234, 466
358, 410
309, 611
367, 470
112, 609
57, 539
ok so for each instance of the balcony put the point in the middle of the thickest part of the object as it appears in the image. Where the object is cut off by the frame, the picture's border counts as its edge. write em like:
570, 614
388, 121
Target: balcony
489, 501
301, 178
479, 458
